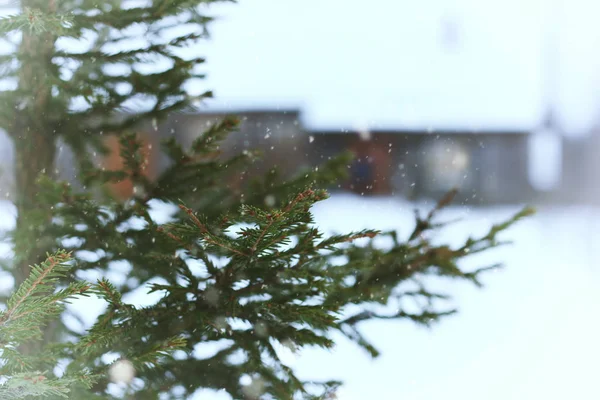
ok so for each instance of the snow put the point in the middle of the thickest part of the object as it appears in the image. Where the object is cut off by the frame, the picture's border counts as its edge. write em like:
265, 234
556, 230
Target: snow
121, 372
531, 333
545, 160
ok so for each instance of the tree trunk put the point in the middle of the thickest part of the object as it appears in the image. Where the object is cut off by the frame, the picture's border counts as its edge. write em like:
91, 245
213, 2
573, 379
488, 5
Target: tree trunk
34, 137
34, 156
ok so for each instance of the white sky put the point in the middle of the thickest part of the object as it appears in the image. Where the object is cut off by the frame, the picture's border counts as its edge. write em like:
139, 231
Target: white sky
384, 63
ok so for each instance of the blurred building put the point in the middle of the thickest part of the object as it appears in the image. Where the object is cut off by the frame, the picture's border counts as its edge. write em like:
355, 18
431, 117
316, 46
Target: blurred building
487, 166
581, 169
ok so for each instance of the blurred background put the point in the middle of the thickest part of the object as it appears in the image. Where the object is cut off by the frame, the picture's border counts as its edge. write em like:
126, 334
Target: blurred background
500, 99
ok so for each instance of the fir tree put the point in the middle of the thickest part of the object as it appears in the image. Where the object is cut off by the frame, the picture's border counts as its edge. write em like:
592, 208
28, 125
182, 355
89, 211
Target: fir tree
236, 272
40, 298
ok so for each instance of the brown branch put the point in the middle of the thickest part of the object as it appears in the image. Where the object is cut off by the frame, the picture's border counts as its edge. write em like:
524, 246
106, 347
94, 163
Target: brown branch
20, 315
301, 196
107, 290
172, 236
262, 235
425, 224
189, 212
214, 242
278, 238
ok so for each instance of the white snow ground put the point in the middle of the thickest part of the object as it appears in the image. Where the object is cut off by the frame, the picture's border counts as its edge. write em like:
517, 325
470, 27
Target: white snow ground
530, 334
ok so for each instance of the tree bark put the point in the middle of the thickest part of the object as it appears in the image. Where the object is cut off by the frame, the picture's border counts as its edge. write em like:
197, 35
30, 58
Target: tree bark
34, 141
34, 137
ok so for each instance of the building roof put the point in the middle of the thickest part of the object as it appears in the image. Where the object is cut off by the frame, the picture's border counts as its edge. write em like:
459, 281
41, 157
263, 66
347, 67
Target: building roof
340, 129
429, 132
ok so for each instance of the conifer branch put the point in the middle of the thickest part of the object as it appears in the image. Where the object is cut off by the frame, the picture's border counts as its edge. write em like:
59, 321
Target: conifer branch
35, 285
35, 21
280, 277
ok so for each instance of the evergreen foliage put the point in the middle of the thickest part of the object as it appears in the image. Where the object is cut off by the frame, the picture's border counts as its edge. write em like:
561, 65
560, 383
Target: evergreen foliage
235, 273
41, 298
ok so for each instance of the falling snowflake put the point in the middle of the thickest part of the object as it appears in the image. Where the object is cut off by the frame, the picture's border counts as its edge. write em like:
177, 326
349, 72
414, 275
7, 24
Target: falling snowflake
212, 295
261, 329
122, 372
255, 389
270, 200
